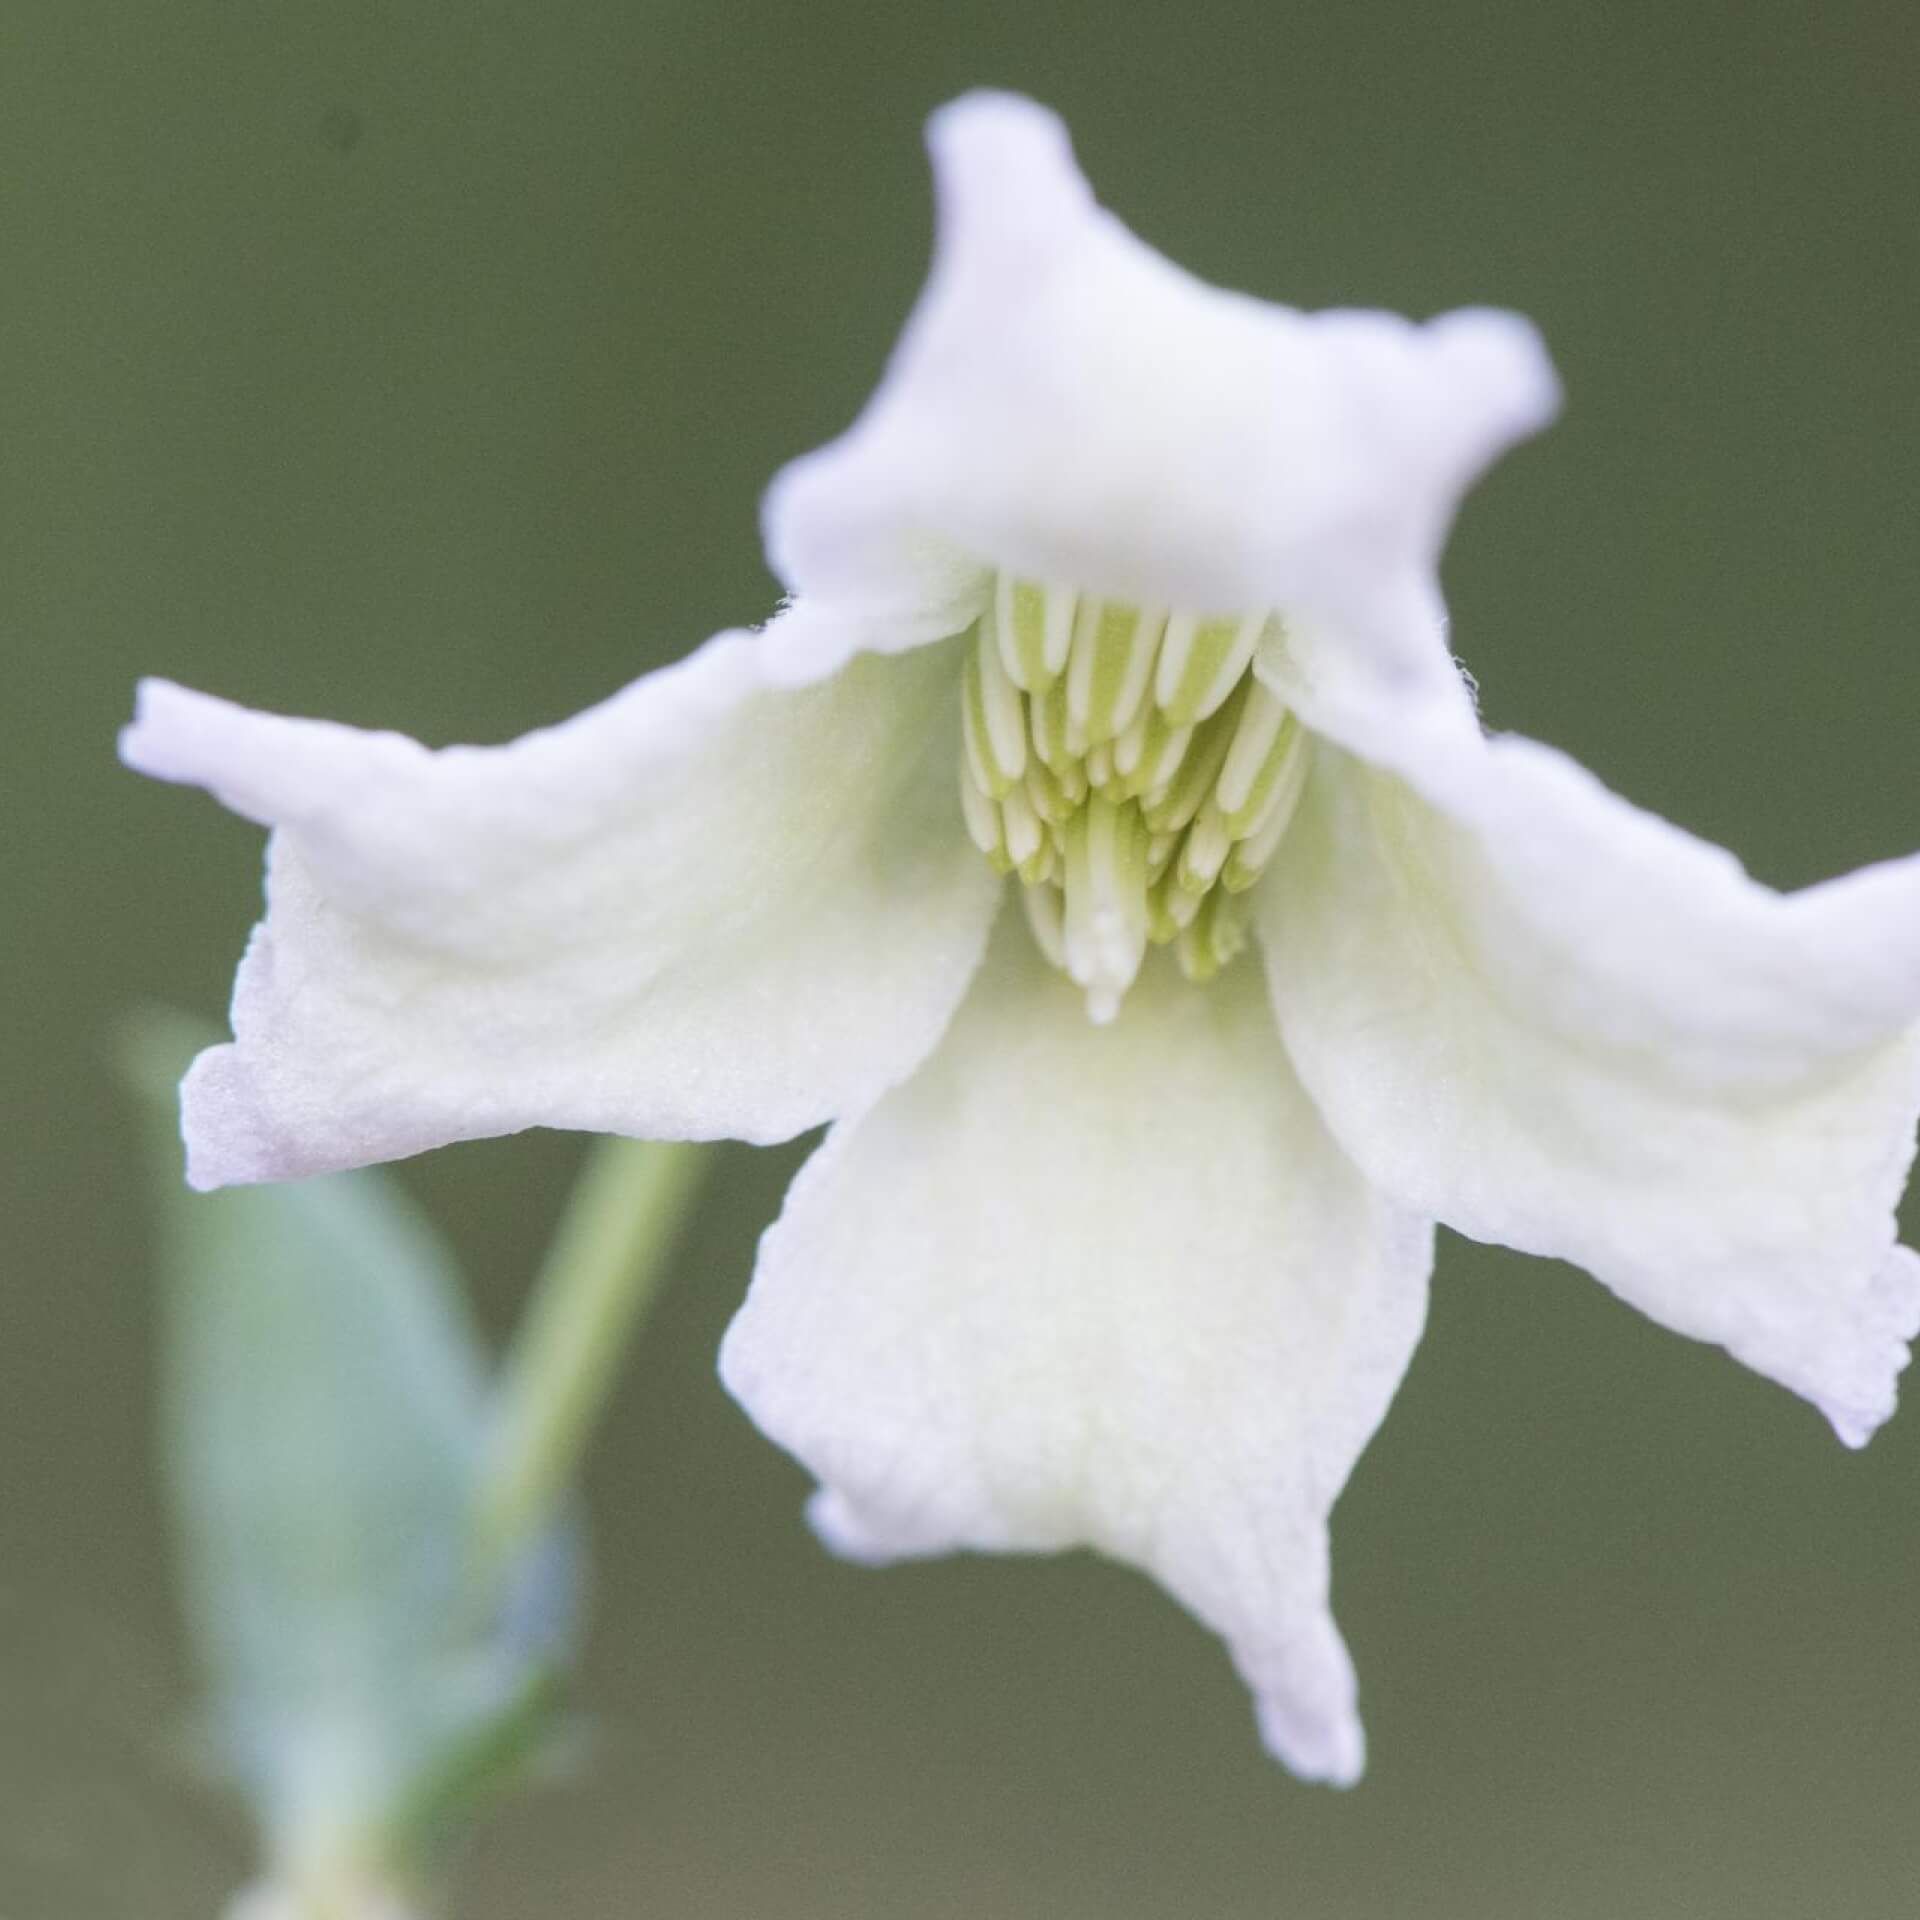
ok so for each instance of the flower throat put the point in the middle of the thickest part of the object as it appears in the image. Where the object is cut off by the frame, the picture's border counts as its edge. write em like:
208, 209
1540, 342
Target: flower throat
1129, 767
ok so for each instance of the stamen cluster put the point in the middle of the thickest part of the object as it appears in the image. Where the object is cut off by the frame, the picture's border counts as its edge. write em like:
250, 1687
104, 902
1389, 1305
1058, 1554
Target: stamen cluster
1129, 766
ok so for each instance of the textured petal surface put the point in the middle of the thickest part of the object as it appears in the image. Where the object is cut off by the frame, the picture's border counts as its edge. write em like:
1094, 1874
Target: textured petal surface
1068, 404
1557, 1022
704, 907
1111, 1287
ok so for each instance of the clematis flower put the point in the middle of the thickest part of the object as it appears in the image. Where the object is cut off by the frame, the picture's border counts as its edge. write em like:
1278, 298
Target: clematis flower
1104, 841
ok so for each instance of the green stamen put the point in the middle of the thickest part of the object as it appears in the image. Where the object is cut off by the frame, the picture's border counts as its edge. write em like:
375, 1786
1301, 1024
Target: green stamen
1128, 766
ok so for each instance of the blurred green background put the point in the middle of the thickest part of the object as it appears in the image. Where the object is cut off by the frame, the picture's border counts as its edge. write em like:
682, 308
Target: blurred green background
421, 365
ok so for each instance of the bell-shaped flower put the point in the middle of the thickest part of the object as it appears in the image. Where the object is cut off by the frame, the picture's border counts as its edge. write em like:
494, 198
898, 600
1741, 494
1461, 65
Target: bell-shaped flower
1119, 600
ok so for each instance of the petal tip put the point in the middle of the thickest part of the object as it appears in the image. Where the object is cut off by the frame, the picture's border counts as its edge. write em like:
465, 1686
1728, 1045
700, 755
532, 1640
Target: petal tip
1003, 167
153, 742
844, 1530
229, 1143
1871, 1395
1500, 372
993, 124
1328, 1751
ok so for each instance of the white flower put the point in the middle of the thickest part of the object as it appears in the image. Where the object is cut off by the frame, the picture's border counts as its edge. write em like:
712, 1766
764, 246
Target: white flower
1156, 564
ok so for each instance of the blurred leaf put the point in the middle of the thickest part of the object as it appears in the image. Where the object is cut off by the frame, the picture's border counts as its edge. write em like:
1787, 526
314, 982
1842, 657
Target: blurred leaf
324, 1410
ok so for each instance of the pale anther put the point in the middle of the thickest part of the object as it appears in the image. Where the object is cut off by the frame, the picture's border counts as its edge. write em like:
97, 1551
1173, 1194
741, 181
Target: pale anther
1052, 800
1261, 839
982, 818
1166, 746
1170, 907
1204, 851
1201, 662
1130, 745
1025, 835
1171, 806
1254, 740
1215, 935
1035, 629
1111, 665
1001, 711
1047, 727
1046, 917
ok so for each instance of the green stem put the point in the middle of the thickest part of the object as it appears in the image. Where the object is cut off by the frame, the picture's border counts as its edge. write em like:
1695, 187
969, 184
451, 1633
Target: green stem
601, 1274
475, 1769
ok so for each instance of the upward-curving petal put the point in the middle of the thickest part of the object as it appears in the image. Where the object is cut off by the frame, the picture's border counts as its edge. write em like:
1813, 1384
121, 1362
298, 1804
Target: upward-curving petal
1111, 1287
1556, 1022
704, 907
1066, 403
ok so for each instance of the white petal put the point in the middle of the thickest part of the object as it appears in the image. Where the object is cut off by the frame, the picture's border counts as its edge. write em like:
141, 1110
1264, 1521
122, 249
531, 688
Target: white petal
1067, 404
703, 907
1559, 1023
1104, 1286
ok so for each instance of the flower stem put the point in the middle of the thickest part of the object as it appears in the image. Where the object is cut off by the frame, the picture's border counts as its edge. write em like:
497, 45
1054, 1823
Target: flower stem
600, 1276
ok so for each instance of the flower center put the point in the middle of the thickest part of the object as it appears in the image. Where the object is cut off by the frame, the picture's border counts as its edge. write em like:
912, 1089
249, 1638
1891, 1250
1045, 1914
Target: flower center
1126, 763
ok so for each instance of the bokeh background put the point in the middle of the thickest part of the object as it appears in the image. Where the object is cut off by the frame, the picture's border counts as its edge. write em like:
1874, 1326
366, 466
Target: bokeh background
421, 364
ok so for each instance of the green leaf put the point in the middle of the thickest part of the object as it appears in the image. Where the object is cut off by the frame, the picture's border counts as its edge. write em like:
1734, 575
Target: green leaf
325, 1407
